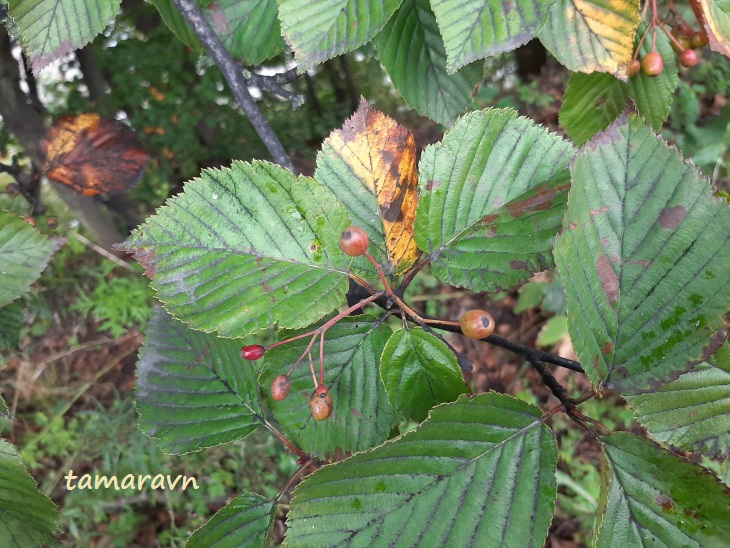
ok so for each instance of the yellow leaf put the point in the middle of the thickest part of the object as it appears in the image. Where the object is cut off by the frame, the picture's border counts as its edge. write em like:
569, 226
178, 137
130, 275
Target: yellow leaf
381, 155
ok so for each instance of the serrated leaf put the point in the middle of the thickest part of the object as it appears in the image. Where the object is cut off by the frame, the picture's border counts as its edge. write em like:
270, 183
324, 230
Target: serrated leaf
653, 94
193, 389
322, 29
717, 24
11, 321
24, 254
474, 29
590, 103
249, 29
419, 371
245, 521
554, 331
412, 52
370, 165
592, 35
645, 260
492, 199
362, 416
650, 497
692, 412
478, 472
27, 517
49, 29
244, 248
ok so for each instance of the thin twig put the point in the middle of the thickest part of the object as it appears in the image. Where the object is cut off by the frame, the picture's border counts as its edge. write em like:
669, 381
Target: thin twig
274, 85
103, 252
233, 75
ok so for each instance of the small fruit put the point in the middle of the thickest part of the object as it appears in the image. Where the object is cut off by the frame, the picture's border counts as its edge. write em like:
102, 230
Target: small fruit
29, 219
683, 28
684, 43
252, 352
12, 190
688, 58
52, 223
477, 324
354, 241
634, 67
699, 39
280, 387
320, 403
652, 64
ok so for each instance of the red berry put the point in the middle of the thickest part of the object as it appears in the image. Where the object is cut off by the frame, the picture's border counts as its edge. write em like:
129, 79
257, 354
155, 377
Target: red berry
699, 39
320, 403
252, 352
477, 324
280, 387
12, 190
354, 241
688, 58
634, 68
652, 64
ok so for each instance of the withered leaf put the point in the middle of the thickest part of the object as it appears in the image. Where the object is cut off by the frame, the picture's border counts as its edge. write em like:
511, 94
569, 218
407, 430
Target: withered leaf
381, 155
717, 25
93, 155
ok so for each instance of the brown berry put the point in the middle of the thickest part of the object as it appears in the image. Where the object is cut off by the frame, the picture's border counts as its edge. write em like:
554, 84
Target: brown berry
12, 190
354, 241
634, 67
688, 58
477, 324
699, 39
280, 387
252, 352
320, 403
29, 219
684, 43
652, 64
52, 223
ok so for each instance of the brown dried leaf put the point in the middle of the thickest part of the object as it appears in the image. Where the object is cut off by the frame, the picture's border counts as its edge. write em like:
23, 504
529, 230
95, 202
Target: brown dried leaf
93, 155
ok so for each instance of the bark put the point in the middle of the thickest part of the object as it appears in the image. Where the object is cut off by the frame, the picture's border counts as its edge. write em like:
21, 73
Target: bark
26, 123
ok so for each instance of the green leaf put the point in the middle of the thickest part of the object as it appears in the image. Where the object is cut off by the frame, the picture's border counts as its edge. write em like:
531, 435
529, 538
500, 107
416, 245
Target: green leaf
419, 371
474, 29
492, 199
24, 253
692, 412
478, 472
193, 389
249, 29
590, 103
245, 521
412, 52
244, 248
11, 321
650, 497
645, 260
27, 517
322, 29
554, 330
653, 94
531, 295
592, 35
49, 29
362, 416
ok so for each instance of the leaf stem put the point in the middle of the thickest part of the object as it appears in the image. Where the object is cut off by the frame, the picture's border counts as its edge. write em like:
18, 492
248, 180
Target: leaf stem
283, 440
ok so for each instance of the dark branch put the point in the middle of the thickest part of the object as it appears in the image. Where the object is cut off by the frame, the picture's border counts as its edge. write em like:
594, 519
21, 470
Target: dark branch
233, 75
274, 85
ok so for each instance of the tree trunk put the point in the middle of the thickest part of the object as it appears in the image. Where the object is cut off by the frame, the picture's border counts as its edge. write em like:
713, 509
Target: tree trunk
26, 123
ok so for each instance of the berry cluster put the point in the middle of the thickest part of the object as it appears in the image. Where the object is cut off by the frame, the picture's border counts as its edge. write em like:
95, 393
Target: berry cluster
685, 41
354, 242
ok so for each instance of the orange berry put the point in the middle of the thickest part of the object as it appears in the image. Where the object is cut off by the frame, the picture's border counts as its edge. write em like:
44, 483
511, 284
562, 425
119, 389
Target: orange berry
354, 241
280, 387
477, 324
320, 403
652, 64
